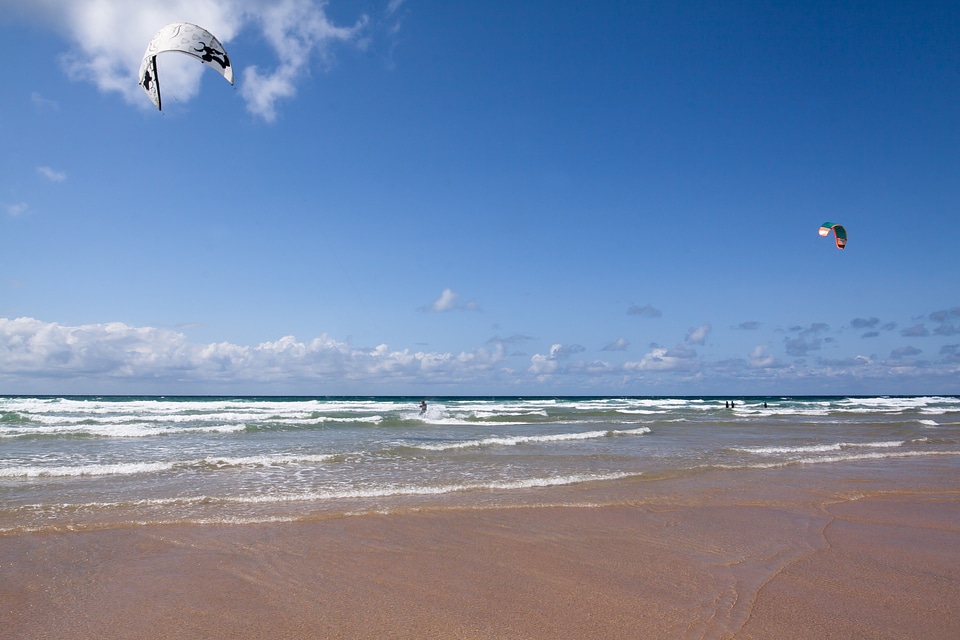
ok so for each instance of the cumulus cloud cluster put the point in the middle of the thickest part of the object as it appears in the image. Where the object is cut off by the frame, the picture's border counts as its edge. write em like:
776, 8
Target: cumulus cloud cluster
872, 325
109, 37
806, 339
118, 352
681, 358
945, 323
45, 357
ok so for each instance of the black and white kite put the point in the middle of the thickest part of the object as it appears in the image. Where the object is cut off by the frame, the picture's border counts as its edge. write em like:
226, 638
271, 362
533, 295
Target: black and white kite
187, 38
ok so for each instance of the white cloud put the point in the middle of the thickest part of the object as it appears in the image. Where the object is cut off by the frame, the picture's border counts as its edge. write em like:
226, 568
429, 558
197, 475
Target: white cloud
392, 8
660, 359
296, 29
564, 351
51, 174
760, 359
448, 302
110, 36
557, 361
17, 209
43, 103
544, 365
620, 344
699, 334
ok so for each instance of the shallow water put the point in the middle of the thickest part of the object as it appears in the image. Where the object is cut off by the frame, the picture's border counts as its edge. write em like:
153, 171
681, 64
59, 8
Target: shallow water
80, 462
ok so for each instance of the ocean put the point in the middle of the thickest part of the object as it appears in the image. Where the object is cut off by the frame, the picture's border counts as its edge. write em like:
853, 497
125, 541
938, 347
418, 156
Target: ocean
78, 463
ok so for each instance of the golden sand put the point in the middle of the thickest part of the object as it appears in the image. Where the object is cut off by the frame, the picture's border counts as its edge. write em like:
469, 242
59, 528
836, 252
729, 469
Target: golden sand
771, 554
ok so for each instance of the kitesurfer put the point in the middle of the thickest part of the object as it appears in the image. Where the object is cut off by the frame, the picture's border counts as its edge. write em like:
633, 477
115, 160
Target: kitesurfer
423, 407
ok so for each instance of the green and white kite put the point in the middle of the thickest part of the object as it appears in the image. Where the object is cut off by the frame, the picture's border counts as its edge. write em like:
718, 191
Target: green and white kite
838, 231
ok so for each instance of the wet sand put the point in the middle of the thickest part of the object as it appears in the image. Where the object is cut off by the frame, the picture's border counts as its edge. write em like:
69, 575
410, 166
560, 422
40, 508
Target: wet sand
790, 553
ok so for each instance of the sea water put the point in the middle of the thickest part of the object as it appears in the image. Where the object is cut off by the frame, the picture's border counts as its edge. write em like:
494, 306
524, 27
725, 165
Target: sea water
86, 462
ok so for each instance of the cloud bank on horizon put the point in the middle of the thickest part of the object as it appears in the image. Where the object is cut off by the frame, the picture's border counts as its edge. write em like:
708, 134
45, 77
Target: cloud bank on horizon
109, 37
37, 356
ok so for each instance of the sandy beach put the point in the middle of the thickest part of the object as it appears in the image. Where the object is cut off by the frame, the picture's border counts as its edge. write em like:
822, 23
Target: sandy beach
788, 553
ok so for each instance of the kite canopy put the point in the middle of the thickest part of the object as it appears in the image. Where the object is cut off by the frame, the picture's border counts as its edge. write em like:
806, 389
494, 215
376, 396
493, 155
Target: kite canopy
838, 231
187, 38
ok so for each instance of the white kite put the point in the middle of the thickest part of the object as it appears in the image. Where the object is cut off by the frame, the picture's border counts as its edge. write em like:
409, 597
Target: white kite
187, 38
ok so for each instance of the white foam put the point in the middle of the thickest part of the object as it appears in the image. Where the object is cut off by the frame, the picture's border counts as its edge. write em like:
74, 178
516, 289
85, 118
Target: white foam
114, 430
511, 441
383, 491
123, 469
322, 419
851, 457
874, 456
820, 448
388, 491
267, 460
133, 468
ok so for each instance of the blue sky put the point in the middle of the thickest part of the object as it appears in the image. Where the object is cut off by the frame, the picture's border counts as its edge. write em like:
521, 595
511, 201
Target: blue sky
432, 198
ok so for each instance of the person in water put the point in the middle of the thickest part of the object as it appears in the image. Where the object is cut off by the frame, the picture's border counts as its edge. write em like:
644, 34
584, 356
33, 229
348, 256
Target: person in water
423, 407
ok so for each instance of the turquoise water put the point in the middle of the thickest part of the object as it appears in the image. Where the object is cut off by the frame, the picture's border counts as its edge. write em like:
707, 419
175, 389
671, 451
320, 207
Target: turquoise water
80, 462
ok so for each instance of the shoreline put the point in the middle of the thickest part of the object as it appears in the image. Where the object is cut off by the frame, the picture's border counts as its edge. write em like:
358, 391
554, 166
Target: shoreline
855, 550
